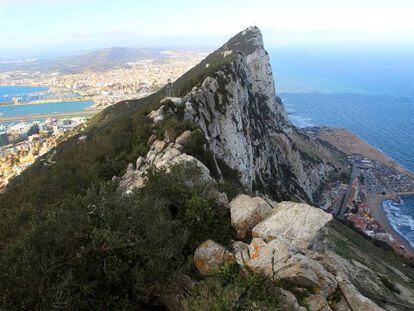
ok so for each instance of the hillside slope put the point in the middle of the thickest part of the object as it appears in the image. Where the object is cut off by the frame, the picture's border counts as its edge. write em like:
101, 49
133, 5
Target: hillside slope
124, 218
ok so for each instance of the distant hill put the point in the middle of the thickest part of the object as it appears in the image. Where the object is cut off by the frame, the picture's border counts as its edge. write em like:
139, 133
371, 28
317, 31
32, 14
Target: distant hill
97, 60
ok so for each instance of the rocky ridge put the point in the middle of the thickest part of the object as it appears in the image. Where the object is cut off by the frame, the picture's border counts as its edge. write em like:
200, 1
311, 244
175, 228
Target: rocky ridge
245, 127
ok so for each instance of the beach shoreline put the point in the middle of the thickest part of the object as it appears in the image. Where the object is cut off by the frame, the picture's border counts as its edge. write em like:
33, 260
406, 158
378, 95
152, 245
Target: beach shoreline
375, 205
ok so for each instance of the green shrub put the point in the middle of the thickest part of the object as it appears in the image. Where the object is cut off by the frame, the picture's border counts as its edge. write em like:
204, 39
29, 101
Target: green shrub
172, 128
105, 251
228, 290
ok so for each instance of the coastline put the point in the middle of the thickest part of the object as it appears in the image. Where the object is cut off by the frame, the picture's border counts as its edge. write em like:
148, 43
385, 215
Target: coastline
375, 205
87, 112
350, 143
47, 101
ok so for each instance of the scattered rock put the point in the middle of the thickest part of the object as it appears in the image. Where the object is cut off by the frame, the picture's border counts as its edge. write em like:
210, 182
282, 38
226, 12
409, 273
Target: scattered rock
140, 162
183, 138
210, 256
151, 140
174, 100
222, 201
260, 257
318, 303
305, 272
297, 223
157, 116
158, 145
298, 271
288, 301
355, 300
241, 253
246, 212
185, 158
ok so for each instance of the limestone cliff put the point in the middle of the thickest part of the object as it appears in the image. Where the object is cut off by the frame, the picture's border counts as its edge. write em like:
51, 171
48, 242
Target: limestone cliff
232, 104
247, 128
233, 101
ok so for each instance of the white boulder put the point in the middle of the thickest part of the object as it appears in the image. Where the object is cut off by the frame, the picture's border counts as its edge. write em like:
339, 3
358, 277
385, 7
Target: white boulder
210, 256
297, 223
246, 212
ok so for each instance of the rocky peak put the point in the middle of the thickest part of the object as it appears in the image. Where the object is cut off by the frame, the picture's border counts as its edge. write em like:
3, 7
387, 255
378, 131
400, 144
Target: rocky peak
246, 125
247, 41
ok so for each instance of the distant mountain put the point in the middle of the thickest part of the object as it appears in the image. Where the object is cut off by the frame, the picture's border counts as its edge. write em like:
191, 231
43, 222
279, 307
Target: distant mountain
97, 60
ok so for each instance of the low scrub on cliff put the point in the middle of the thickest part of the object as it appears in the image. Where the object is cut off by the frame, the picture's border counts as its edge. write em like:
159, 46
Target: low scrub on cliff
106, 251
228, 290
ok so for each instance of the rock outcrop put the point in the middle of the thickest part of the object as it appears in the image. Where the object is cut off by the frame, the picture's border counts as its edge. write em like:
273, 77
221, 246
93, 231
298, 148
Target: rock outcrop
297, 223
162, 154
246, 129
281, 249
246, 212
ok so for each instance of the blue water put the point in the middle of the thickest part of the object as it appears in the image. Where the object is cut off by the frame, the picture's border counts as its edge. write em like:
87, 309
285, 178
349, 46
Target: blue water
363, 70
369, 90
384, 121
401, 216
8, 92
24, 110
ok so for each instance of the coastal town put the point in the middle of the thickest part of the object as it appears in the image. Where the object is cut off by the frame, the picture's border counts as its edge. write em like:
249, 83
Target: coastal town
361, 202
22, 142
132, 80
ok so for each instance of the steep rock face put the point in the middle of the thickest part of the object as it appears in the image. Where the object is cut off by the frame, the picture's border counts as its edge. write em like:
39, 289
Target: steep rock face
246, 124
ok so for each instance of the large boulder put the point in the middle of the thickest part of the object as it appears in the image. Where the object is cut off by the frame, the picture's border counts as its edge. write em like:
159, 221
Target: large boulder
260, 257
246, 212
284, 262
303, 271
187, 159
318, 302
288, 301
298, 271
297, 223
157, 116
183, 138
210, 256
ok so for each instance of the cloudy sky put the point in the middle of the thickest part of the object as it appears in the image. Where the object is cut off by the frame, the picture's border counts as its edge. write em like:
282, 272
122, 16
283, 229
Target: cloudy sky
51, 23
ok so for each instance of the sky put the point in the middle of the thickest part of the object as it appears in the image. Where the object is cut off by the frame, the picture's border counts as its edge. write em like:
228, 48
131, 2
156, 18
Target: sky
54, 24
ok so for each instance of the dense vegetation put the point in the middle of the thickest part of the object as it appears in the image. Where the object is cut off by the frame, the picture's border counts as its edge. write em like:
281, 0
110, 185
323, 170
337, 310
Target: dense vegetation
228, 290
105, 251
70, 240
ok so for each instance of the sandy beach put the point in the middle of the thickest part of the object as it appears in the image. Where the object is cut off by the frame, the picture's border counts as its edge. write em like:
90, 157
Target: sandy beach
375, 205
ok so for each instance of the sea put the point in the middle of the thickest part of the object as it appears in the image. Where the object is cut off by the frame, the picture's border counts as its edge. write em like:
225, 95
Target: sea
26, 93
367, 89
29, 93
401, 216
